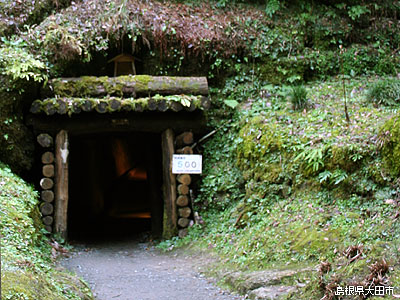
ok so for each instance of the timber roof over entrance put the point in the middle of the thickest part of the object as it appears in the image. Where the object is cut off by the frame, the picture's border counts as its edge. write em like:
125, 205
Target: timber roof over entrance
68, 96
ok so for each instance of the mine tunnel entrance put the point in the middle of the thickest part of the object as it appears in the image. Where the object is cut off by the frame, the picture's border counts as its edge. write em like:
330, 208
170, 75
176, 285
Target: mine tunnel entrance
115, 185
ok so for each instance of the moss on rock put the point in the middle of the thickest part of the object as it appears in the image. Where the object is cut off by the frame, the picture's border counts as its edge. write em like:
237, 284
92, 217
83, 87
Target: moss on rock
390, 137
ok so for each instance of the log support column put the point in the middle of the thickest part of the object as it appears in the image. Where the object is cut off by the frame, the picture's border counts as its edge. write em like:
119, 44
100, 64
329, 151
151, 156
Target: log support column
170, 227
61, 183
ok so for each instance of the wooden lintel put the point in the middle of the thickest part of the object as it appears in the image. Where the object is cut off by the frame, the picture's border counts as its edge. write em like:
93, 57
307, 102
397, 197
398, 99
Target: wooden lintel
170, 228
92, 123
61, 183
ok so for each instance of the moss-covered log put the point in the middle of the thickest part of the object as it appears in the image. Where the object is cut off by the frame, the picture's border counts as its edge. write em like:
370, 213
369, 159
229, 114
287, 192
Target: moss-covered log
125, 86
113, 104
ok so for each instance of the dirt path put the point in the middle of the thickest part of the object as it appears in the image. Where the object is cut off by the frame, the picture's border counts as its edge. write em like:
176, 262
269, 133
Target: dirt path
128, 269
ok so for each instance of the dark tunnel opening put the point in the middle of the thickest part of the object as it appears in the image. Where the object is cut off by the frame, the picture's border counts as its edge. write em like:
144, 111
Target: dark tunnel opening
115, 185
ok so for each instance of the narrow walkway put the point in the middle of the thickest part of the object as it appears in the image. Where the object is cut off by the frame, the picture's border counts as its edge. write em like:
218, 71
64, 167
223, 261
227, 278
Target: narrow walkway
133, 270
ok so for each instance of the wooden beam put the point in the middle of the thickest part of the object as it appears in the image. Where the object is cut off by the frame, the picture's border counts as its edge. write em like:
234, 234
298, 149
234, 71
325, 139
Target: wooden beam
92, 123
169, 185
61, 183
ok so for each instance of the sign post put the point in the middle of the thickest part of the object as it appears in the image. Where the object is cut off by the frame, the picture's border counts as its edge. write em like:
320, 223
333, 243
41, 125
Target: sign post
186, 164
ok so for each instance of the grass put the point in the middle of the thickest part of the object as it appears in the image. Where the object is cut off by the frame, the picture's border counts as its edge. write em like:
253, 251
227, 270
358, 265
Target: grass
385, 92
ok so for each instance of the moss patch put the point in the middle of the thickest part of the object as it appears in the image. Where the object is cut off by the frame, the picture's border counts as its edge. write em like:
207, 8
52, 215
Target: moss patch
27, 272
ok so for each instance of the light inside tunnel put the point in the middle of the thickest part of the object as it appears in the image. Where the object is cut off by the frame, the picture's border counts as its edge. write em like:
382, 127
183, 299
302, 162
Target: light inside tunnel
123, 164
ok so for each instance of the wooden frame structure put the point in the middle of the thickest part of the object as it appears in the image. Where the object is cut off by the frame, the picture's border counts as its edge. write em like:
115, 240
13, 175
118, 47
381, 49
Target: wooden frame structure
54, 132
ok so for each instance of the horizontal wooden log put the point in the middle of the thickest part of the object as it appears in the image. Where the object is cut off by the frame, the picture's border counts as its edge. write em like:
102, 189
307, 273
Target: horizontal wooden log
48, 228
47, 196
87, 105
76, 108
183, 232
184, 139
45, 140
182, 200
183, 189
46, 209
48, 157
183, 222
115, 104
49, 108
185, 150
184, 179
46, 183
62, 107
176, 106
152, 104
48, 170
48, 220
128, 86
101, 106
184, 212
162, 106
112, 104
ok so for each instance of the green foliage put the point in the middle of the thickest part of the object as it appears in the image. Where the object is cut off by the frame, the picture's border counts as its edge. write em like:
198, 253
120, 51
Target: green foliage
385, 92
311, 184
27, 271
298, 97
17, 63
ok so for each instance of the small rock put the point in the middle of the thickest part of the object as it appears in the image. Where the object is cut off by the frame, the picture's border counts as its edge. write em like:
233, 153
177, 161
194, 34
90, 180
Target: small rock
270, 292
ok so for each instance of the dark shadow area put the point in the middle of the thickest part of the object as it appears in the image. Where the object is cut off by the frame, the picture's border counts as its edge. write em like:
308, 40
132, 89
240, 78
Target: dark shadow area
115, 186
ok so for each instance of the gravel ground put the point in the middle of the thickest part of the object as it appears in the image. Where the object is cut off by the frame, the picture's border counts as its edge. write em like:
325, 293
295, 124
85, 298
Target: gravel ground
132, 269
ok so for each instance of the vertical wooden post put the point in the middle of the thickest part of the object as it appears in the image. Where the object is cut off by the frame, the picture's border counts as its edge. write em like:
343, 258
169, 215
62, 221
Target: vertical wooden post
170, 228
61, 183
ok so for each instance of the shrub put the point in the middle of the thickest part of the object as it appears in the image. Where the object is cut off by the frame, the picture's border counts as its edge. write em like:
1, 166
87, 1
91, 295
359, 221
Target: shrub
385, 92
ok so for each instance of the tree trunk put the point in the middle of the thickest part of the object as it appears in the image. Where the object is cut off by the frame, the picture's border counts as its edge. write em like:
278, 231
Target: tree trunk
61, 186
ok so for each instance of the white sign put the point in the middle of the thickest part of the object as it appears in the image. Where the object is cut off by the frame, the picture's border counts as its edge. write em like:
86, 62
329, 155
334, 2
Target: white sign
186, 164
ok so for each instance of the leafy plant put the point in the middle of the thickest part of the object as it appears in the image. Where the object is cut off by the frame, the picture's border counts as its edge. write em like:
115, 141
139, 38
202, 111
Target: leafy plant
18, 63
298, 97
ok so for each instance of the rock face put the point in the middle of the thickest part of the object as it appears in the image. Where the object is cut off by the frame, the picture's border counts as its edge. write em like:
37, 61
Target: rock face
260, 285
